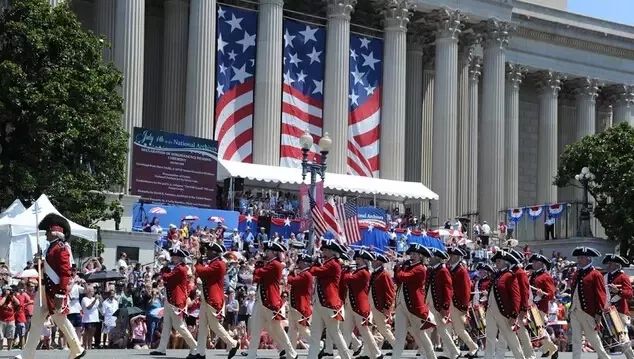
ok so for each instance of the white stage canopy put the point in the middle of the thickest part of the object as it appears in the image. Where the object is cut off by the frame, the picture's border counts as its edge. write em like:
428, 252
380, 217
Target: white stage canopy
289, 178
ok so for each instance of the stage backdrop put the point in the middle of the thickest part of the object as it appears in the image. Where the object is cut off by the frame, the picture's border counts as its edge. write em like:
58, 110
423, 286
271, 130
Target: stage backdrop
173, 168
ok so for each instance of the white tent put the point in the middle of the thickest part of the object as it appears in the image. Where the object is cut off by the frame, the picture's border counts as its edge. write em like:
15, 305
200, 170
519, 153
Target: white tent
13, 210
18, 237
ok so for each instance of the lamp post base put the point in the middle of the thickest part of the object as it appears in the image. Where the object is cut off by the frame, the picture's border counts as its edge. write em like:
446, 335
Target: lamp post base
584, 229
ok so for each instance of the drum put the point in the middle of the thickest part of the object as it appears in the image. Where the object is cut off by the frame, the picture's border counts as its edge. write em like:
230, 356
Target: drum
477, 322
613, 331
535, 323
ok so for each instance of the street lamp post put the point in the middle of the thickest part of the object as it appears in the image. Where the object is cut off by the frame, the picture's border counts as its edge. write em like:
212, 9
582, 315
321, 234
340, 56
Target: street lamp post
585, 177
314, 168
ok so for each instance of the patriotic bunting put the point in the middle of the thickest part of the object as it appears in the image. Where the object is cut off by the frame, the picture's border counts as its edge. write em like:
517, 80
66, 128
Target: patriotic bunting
555, 210
535, 211
515, 214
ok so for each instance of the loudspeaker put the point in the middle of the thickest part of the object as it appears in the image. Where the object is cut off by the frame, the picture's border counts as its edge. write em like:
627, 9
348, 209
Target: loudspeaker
264, 221
238, 184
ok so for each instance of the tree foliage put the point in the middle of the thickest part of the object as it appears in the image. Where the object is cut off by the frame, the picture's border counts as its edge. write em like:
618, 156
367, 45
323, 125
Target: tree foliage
60, 113
610, 156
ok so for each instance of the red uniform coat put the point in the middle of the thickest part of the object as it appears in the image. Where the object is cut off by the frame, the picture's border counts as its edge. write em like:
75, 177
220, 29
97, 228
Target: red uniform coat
358, 283
506, 292
301, 294
542, 280
343, 288
176, 285
213, 277
410, 279
461, 287
268, 278
439, 282
328, 276
58, 260
382, 290
522, 282
625, 290
591, 287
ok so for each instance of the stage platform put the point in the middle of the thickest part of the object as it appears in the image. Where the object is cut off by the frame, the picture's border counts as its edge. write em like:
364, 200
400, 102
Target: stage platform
211, 354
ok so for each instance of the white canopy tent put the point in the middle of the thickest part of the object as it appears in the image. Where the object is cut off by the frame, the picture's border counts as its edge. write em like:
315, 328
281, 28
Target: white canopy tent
289, 178
13, 210
18, 237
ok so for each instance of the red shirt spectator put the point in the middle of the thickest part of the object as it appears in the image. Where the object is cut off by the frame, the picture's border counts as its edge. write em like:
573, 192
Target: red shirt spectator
7, 310
20, 313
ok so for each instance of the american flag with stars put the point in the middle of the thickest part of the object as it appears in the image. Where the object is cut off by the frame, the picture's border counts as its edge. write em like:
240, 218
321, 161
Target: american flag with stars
349, 220
364, 100
235, 69
303, 89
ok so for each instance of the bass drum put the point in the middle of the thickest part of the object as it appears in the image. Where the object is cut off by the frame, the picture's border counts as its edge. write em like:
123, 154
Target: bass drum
613, 331
535, 323
477, 322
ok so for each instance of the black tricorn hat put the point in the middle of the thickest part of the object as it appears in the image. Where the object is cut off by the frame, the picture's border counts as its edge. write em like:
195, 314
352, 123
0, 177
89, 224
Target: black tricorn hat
616, 259
541, 258
54, 222
585, 251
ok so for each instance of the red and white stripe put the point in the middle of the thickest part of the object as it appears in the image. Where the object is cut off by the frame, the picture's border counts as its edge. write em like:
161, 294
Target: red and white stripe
299, 113
234, 123
331, 217
363, 137
350, 225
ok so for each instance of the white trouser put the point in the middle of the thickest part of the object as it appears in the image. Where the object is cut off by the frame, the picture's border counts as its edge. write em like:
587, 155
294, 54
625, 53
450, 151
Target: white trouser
347, 330
40, 312
370, 348
381, 325
263, 318
581, 321
404, 322
458, 319
499, 324
172, 319
323, 317
296, 330
208, 321
525, 342
444, 331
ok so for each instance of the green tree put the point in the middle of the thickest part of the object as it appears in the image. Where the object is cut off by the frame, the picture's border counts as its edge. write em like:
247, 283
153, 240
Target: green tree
60, 127
610, 156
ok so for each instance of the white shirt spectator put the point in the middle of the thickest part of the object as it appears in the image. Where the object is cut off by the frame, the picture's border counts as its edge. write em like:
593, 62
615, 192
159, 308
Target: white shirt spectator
249, 304
74, 306
486, 230
90, 315
122, 263
550, 221
156, 229
109, 306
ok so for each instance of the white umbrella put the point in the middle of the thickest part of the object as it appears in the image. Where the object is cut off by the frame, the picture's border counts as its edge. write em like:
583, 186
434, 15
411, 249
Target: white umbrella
158, 210
28, 273
216, 219
190, 217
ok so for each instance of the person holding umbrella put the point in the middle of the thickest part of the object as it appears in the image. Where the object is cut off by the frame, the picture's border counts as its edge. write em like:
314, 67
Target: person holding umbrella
54, 300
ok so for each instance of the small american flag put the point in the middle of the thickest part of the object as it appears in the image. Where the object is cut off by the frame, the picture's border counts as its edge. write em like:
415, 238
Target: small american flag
349, 218
319, 223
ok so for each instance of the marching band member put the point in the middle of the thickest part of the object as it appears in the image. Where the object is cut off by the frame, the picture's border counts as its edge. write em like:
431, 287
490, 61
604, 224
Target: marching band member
358, 283
412, 313
461, 298
544, 292
327, 305
54, 301
482, 284
383, 295
439, 289
212, 308
588, 301
522, 281
501, 316
177, 290
620, 289
268, 311
301, 282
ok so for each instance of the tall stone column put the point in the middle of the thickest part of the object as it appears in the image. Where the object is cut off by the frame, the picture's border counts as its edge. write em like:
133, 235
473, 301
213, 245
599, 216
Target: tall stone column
414, 109
491, 137
129, 37
604, 114
392, 154
474, 114
153, 67
549, 84
105, 18
514, 75
445, 114
174, 65
267, 117
465, 55
586, 92
336, 85
622, 104
199, 103
427, 124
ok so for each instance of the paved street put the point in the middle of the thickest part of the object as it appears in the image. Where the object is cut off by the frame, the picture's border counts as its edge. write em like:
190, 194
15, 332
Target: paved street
178, 354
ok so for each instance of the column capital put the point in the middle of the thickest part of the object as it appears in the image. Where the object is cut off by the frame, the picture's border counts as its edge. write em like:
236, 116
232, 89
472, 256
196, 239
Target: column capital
621, 94
515, 74
272, 2
549, 82
475, 69
497, 33
448, 23
586, 87
467, 46
397, 14
340, 8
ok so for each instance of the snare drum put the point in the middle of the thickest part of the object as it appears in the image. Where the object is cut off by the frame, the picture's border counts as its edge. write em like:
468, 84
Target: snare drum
477, 322
535, 323
613, 331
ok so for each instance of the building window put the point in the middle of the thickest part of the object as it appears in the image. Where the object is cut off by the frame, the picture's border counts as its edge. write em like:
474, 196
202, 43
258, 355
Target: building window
132, 252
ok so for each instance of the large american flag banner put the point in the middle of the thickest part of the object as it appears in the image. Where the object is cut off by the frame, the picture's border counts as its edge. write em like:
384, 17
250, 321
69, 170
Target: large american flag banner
303, 89
349, 220
364, 100
235, 69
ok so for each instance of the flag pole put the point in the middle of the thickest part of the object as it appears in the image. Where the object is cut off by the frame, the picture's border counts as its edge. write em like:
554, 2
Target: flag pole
39, 250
